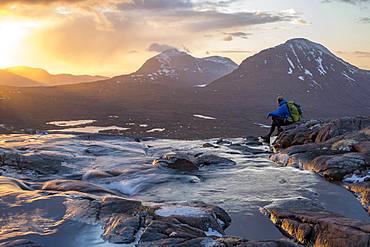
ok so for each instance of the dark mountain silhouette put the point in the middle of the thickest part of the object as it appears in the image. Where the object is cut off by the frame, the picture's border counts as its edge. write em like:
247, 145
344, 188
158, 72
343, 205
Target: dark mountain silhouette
325, 86
45, 78
302, 70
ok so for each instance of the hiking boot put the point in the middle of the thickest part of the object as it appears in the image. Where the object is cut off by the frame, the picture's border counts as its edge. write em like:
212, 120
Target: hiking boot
266, 139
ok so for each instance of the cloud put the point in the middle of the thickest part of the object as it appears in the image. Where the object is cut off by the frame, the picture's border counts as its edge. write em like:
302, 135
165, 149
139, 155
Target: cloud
155, 4
232, 51
159, 47
242, 35
362, 53
365, 20
196, 17
214, 20
228, 38
354, 2
300, 21
38, 2
90, 34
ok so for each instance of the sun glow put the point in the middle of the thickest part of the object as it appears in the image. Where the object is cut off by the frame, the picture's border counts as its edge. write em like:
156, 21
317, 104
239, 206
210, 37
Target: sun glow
12, 35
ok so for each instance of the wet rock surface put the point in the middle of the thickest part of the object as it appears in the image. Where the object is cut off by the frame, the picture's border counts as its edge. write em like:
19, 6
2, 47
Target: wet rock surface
91, 183
311, 225
337, 149
126, 221
190, 162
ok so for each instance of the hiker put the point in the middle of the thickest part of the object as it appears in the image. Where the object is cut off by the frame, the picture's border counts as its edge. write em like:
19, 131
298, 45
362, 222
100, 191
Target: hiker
287, 113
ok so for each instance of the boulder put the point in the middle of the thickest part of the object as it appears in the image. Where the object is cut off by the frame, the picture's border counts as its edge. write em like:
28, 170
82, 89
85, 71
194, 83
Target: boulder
252, 141
96, 174
363, 190
76, 185
20, 243
310, 225
110, 205
362, 147
190, 162
223, 142
314, 131
209, 145
335, 167
169, 233
196, 214
341, 126
121, 229
38, 163
211, 159
232, 241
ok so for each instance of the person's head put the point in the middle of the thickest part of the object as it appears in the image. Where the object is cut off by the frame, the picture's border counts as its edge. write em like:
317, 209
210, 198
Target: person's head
279, 99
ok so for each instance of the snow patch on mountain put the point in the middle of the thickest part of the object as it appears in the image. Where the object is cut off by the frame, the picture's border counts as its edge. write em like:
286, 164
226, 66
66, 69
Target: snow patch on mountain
347, 76
307, 72
222, 60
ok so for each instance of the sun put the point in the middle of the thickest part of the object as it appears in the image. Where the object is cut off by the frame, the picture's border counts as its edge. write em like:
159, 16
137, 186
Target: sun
12, 35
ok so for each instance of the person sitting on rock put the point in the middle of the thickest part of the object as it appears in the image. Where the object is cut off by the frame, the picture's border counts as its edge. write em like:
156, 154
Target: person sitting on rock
287, 113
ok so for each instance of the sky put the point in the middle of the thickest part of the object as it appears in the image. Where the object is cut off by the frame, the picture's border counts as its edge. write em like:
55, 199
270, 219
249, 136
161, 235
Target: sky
114, 37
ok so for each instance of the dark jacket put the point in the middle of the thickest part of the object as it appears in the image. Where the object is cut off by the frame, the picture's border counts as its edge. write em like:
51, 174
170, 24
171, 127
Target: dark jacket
282, 111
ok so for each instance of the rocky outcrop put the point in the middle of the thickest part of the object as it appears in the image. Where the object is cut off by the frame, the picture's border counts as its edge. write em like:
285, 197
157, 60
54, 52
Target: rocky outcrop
190, 162
363, 191
311, 225
338, 150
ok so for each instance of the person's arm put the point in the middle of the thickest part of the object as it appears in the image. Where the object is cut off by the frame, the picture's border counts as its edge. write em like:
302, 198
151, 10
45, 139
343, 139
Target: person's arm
280, 112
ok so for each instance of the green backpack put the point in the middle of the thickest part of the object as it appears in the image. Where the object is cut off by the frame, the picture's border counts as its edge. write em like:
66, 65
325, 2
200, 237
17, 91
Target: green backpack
295, 111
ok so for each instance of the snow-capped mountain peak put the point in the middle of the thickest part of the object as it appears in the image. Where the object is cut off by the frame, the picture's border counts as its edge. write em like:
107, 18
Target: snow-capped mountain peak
307, 60
308, 45
167, 55
222, 60
181, 68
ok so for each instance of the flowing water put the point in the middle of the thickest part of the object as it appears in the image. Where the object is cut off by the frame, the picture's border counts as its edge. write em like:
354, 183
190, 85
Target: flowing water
240, 189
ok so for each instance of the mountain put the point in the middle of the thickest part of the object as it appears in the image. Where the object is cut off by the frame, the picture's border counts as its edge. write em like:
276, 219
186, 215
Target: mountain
174, 67
301, 70
47, 79
10, 79
161, 94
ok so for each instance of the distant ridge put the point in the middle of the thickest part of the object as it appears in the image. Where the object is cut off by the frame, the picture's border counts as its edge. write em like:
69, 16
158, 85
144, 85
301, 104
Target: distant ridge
10, 79
44, 78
